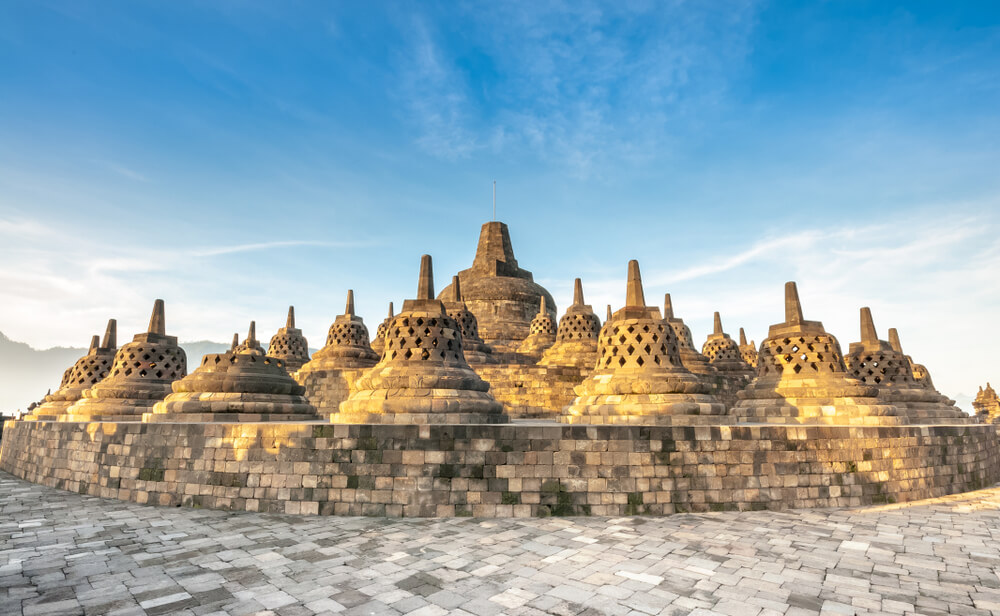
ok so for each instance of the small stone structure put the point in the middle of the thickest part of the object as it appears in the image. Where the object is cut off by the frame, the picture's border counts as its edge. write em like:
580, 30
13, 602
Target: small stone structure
140, 376
987, 405
801, 378
378, 344
423, 376
86, 372
640, 378
542, 333
875, 362
723, 353
502, 295
576, 338
289, 345
476, 351
241, 385
693, 360
330, 376
748, 351
920, 373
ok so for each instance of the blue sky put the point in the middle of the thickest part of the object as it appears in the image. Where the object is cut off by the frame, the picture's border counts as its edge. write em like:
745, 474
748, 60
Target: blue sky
234, 158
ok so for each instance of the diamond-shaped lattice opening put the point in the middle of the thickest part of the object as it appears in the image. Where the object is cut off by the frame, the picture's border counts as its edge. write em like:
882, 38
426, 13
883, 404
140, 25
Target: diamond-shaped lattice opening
425, 354
408, 354
639, 361
630, 349
797, 368
621, 361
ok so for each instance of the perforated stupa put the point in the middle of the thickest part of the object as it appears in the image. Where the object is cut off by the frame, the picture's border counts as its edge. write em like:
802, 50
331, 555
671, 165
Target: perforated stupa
987, 404
476, 351
748, 351
503, 296
693, 360
801, 378
241, 385
141, 375
289, 345
640, 378
723, 353
330, 375
86, 372
542, 333
378, 344
875, 362
920, 373
423, 376
576, 338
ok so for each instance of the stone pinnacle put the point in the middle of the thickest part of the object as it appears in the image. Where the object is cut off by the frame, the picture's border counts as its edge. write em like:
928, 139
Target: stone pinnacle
456, 289
425, 286
349, 309
390, 310
633, 294
577, 292
668, 307
290, 322
251, 340
793, 308
868, 333
95, 340
158, 322
718, 324
111, 335
609, 313
743, 337
894, 340
541, 306
236, 342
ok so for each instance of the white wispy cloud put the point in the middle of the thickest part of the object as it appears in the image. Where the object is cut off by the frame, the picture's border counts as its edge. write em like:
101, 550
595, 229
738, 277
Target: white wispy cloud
122, 170
226, 250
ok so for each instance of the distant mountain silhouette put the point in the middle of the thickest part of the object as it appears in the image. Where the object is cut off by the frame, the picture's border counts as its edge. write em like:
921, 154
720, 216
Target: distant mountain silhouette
26, 373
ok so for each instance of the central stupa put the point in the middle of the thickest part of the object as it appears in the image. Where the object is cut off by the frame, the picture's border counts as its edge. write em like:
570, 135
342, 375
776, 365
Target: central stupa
503, 296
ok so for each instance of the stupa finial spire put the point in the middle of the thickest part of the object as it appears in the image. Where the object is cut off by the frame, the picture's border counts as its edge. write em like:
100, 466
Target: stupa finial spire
668, 307
718, 324
743, 337
425, 286
894, 340
390, 311
251, 340
290, 321
609, 314
349, 309
236, 342
111, 335
633, 294
541, 305
95, 341
793, 307
158, 320
577, 292
456, 289
868, 334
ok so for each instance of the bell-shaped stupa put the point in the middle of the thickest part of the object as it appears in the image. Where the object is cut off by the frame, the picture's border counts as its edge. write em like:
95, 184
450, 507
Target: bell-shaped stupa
241, 385
640, 378
748, 351
88, 371
920, 373
502, 295
987, 405
289, 345
422, 377
476, 351
330, 375
576, 338
378, 344
693, 360
801, 378
542, 334
723, 353
875, 362
141, 376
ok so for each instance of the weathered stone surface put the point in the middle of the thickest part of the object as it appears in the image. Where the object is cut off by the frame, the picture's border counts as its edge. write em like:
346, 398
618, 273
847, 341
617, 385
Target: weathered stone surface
801, 377
576, 338
289, 345
875, 362
476, 351
542, 333
423, 376
86, 372
242, 384
693, 360
141, 375
502, 295
725, 355
330, 375
639, 378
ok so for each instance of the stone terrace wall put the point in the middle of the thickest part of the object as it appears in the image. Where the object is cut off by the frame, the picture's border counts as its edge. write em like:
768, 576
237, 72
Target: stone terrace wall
500, 470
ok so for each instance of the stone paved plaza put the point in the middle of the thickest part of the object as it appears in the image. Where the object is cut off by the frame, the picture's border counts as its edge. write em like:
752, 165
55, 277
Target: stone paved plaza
62, 553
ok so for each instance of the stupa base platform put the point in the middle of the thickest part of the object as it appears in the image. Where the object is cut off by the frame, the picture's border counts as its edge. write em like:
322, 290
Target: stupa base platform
532, 391
519, 470
227, 417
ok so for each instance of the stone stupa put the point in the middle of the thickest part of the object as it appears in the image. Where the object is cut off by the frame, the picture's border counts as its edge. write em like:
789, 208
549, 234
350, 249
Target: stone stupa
987, 405
289, 345
875, 362
640, 378
86, 372
748, 351
378, 344
542, 333
576, 338
241, 385
693, 360
801, 378
476, 351
503, 296
141, 376
423, 377
724, 354
330, 375
920, 373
